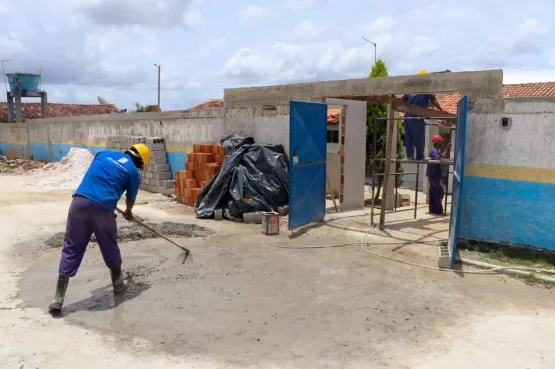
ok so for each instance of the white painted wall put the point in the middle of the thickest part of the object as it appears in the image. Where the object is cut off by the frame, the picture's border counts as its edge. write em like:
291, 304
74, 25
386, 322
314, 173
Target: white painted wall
529, 141
355, 153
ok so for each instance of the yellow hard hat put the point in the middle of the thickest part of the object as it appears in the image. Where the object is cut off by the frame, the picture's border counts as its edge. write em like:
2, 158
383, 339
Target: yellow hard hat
423, 71
143, 151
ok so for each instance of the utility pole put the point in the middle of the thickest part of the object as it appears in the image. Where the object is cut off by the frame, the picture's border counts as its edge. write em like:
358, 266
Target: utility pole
159, 68
375, 49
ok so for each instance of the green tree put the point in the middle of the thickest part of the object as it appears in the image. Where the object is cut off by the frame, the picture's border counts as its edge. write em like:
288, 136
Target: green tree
378, 128
144, 108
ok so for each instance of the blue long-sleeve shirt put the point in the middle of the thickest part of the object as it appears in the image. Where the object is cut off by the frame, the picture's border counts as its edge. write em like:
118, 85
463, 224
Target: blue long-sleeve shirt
434, 171
110, 174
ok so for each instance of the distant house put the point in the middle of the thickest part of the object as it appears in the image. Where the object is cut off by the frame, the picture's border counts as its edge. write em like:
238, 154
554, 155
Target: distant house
33, 110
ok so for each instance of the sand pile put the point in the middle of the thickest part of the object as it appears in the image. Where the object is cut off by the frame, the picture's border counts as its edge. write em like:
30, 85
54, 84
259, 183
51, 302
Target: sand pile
62, 176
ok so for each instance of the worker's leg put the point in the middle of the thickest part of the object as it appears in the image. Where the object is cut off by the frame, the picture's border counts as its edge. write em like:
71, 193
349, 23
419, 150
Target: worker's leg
419, 137
436, 196
78, 235
106, 232
409, 139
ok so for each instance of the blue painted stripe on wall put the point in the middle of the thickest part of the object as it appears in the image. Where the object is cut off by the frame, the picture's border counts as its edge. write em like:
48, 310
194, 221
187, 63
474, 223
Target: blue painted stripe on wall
177, 161
504, 210
40, 151
12, 150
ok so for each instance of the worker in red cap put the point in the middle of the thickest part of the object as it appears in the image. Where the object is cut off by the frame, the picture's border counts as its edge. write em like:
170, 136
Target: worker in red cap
434, 174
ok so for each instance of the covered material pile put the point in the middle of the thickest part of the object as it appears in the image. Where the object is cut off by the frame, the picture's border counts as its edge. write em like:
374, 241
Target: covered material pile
202, 166
252, 178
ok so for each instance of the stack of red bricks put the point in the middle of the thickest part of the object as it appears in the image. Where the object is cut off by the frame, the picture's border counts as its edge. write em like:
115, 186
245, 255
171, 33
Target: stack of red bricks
202, 165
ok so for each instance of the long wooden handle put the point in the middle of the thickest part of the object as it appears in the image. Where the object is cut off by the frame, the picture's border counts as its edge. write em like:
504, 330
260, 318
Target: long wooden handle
156, 232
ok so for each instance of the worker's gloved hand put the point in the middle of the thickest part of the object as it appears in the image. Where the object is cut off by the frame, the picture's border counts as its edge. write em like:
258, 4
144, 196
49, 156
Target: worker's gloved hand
128, 215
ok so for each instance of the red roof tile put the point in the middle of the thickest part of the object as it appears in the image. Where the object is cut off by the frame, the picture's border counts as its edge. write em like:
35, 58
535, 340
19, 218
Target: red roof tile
33, 110
210, 104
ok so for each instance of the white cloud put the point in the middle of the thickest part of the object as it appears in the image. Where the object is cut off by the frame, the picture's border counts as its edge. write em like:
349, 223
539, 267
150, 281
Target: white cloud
192, 18
423, 46
302, 4
528, 76
11, 48
532, 27
552, 57
307, 30
253, 10
291, 63
4, 7
147, 13
380, 24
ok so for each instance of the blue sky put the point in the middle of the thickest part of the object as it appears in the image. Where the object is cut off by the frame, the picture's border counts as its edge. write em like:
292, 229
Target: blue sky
86, 48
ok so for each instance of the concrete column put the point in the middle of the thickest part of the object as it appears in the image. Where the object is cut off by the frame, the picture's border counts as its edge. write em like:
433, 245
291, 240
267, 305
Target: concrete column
11, 111
18, 112
44, 104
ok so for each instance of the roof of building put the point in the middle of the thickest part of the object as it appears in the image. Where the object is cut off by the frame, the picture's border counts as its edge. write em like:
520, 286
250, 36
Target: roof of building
543, 89
34, 111
447, 101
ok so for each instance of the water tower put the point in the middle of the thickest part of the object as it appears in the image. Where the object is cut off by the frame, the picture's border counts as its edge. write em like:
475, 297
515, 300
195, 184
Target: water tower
24, 85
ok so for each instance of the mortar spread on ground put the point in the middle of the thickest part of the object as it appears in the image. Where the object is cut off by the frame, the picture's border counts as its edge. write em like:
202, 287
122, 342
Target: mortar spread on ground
135, 232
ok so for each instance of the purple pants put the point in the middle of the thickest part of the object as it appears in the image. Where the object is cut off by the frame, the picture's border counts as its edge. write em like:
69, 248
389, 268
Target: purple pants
436, 196
85, 218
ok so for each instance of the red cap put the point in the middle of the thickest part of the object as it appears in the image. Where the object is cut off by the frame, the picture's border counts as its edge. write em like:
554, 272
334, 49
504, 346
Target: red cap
437, 138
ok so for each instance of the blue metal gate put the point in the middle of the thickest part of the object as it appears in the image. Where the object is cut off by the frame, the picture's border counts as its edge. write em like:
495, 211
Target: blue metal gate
458, 177
307, 162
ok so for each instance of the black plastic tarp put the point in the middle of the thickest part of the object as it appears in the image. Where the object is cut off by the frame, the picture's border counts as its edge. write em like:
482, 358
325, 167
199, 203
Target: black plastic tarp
253, 177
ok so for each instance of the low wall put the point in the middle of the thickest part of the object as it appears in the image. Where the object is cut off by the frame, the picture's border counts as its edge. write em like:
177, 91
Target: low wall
50, 139
509, 183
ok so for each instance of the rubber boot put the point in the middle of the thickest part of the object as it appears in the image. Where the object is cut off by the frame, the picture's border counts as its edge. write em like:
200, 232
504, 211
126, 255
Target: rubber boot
117, 282
61, 287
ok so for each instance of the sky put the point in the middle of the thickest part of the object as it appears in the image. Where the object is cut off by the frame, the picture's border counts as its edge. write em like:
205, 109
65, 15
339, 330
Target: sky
108, 48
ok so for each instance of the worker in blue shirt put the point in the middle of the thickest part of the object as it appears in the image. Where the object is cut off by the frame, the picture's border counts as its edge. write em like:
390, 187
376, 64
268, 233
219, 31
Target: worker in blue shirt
92, 211
415, 129
434, 172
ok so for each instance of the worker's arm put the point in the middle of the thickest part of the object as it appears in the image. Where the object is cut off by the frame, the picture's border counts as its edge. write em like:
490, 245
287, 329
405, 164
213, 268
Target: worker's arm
131, 195
435, 103
447, 151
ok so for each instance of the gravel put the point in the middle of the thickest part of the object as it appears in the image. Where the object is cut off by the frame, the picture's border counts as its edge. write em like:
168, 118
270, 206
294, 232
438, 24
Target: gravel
135, 232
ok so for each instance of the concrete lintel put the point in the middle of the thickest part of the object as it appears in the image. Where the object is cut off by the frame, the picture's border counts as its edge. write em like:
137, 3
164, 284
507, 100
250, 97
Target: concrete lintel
479, 83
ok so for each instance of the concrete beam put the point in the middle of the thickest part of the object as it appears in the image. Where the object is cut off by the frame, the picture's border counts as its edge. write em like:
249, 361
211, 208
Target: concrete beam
480, 83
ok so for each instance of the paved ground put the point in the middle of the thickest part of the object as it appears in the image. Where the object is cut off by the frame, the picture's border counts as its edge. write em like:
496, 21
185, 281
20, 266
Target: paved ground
245, 304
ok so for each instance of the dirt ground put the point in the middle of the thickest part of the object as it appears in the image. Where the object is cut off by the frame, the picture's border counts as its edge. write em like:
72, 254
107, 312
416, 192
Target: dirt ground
242, 303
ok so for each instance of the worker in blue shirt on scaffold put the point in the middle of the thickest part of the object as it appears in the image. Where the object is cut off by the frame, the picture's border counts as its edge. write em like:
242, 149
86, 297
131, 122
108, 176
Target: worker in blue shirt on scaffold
415, 129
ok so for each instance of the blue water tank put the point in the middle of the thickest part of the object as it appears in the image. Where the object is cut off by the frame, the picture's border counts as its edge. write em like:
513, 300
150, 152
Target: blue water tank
25, 81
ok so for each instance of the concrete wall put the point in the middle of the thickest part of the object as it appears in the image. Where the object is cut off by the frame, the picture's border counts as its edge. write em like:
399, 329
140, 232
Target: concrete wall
509, 183
50, 139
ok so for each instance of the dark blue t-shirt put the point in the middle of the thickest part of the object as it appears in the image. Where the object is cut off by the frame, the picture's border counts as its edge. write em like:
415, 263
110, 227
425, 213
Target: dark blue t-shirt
422, 100
110, 174
434, 171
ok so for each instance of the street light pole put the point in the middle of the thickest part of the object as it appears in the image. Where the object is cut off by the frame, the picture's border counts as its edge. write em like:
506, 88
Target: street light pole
375, 49
159, 68
4, 73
